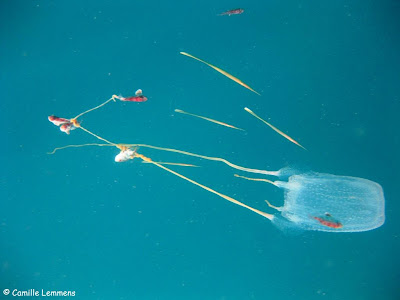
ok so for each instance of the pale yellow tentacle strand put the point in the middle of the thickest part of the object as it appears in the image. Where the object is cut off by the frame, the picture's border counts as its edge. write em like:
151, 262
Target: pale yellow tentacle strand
274, 128
256, 179
273, 206
265, 172
237, 80
78, 146
94, 108
266, 215
208, 119
171, 164
96, 136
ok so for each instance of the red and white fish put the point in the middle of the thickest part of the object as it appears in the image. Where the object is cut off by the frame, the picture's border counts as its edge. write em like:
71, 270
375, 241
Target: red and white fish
236, 11
66, 125
58, 121
125, 154
139, 97
329, 221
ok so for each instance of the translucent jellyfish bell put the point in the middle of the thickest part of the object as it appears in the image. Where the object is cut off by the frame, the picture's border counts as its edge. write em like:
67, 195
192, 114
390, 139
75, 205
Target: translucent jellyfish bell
325, 202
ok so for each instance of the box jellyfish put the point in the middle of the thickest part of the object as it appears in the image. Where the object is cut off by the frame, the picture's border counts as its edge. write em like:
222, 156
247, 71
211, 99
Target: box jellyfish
326, 202
312, 201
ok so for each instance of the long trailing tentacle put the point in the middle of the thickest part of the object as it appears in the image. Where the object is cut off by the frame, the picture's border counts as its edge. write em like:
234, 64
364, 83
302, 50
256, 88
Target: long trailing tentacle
230, 199
173, 164
78, 146
96, 136
237, 80
208, 119
98, 106
232, 165
274, 128
256, 179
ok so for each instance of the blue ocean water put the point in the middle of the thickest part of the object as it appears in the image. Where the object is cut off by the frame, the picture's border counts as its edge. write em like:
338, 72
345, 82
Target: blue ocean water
77, 221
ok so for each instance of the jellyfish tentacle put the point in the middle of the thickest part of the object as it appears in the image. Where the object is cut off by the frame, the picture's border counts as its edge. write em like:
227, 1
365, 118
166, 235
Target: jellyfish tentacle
273, 206
208, 119
256, 179
172, 164
96, 136
237, 80
230, 199
275, 129
98, 106
232, 165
